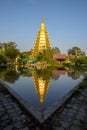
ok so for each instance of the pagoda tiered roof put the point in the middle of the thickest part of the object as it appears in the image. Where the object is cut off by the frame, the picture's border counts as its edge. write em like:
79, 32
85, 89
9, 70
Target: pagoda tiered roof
42, 41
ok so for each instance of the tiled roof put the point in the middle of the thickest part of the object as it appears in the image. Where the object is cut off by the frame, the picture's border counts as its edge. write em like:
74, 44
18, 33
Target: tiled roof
59, 56
58, 72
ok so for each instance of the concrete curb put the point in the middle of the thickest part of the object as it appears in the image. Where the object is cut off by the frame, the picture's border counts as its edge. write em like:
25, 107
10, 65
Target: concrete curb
37, 114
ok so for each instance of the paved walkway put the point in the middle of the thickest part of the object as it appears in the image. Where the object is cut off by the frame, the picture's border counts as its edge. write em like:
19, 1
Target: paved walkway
72, 115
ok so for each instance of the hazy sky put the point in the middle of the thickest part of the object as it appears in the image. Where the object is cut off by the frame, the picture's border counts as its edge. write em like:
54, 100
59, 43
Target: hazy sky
65, 21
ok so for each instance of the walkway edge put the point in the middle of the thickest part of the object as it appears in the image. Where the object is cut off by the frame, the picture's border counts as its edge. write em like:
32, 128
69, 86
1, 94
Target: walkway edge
35, 113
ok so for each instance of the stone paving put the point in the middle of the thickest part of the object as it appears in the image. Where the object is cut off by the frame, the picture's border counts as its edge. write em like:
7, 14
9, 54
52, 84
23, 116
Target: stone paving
71, 116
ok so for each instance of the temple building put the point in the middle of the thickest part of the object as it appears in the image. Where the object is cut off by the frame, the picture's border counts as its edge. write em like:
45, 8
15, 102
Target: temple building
42, 41
60, 57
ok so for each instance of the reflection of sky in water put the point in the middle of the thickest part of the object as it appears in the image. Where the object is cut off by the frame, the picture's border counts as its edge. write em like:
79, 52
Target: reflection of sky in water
24, 86
59, 88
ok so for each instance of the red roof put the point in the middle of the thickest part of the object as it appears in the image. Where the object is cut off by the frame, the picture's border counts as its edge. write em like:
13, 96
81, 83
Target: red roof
59, 56
57, 72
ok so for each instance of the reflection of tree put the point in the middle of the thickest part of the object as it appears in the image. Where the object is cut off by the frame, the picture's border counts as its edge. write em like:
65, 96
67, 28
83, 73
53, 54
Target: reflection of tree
2, 72
11, 76
55, 77
45, 73
26, 71
57, 72
75, 73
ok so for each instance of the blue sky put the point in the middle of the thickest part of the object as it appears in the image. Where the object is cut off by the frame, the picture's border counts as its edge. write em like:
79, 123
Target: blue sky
65, 21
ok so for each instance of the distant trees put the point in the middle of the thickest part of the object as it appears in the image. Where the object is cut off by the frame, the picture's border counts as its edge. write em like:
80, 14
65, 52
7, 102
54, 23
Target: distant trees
8, 51
77, 56
24, 54
56, 50
47, 56
82, 60
76, 51
11, 51
2, 54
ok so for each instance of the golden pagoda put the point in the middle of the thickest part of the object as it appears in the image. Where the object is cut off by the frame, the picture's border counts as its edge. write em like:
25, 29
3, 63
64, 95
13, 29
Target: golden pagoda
42, 41
41, 86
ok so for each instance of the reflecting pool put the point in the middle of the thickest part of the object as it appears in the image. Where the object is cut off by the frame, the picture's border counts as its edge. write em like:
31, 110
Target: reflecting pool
41, 88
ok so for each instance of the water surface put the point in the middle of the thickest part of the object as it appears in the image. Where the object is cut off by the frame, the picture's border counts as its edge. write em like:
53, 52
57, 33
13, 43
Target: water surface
41, 89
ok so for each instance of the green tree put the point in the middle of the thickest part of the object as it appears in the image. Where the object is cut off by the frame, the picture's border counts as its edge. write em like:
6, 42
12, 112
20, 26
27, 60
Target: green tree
10, 50
46, 55
24, 54
82, 60
76, 51
56, 50
2, 54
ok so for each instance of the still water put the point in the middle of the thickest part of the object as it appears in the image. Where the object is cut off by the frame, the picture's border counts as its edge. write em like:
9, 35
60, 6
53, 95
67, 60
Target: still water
41, 88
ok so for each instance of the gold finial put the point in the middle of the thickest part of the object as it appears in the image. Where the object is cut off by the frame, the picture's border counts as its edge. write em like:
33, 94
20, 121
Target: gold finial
42, 20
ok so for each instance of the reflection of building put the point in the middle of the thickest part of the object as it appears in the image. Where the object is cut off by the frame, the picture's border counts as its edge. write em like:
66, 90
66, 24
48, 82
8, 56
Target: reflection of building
42, 41
41, 86
58, 72
16, 68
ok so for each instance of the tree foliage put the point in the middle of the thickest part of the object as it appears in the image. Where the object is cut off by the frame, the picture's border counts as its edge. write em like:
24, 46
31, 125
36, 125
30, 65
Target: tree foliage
56, 50
24, 54
81, 60
9, 51
46, 55
76, 51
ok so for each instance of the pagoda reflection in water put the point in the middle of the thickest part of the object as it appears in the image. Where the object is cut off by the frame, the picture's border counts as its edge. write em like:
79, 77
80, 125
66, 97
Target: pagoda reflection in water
41, 86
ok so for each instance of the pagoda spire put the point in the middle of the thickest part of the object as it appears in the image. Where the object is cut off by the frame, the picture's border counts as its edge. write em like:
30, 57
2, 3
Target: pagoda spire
42, 27
43, 20
42, 41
